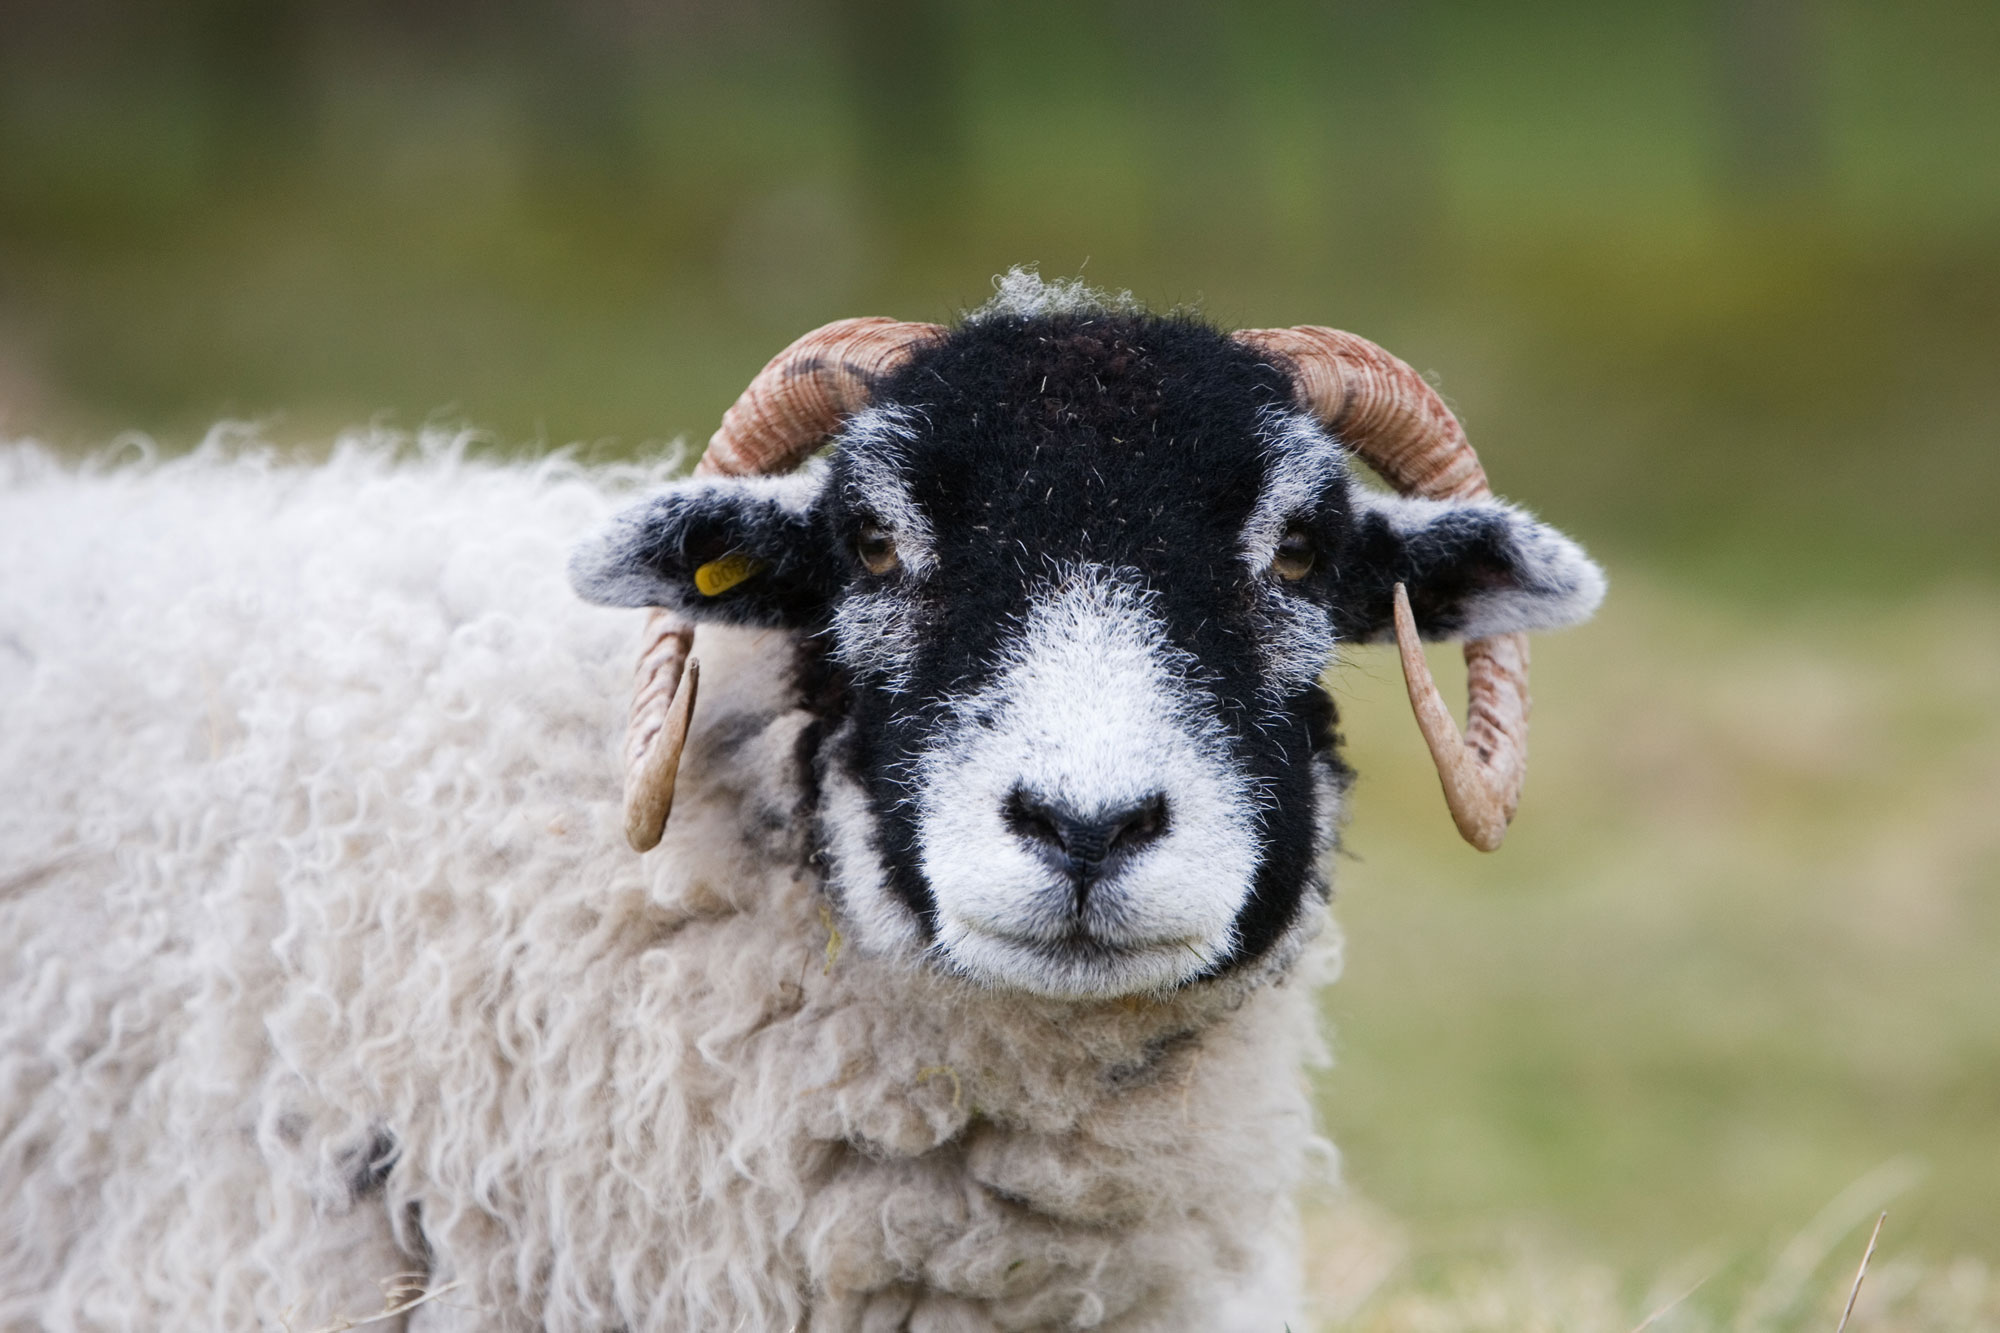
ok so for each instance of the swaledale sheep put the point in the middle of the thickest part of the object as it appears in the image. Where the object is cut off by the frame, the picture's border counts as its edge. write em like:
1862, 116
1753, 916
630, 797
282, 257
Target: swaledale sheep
970, 985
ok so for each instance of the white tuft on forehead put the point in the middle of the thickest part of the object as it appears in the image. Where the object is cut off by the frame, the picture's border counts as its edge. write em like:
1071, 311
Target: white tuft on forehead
1023, 293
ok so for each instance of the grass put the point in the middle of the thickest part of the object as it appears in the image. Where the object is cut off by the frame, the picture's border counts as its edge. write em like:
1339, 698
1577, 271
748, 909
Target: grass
1737, 951
1525, 1288
1528, 1292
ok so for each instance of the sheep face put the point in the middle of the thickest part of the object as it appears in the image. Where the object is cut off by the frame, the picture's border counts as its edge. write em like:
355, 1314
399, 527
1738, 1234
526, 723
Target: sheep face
1074, 579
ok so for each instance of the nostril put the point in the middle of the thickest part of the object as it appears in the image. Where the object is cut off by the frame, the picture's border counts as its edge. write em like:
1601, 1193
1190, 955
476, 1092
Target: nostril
1085, 842
1034, 820
1140, 825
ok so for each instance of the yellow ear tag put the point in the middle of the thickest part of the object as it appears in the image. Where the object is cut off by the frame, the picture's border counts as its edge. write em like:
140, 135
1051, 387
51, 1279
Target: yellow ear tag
719, 576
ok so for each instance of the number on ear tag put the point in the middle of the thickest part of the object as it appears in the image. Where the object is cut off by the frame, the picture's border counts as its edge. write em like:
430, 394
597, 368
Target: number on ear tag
719, 576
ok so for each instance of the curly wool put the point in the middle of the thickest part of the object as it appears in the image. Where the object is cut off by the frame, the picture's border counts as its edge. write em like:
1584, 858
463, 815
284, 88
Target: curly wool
325, 961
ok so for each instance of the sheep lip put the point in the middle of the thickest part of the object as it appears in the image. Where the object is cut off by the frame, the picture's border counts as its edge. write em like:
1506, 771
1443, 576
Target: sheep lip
1075, 965
1077, 941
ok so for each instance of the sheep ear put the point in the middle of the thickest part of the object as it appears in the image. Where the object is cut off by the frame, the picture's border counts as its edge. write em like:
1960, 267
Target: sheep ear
1473, 569
736, 550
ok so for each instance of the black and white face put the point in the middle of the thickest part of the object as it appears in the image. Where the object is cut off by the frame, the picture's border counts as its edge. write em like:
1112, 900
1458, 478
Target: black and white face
1076, 578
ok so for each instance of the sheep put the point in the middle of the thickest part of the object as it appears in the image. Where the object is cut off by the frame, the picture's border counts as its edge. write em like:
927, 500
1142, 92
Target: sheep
971, 984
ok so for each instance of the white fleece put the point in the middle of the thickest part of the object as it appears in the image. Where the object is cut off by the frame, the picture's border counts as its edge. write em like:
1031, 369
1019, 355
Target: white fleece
310, 853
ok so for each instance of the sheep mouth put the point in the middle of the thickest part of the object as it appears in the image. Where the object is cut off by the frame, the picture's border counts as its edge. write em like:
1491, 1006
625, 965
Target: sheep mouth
1075, 963
1079, 941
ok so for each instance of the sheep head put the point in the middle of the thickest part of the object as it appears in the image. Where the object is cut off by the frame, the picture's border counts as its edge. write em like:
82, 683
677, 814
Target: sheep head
1080, 569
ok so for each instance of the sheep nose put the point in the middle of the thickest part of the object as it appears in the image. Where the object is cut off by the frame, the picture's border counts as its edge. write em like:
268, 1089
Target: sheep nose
1083, 846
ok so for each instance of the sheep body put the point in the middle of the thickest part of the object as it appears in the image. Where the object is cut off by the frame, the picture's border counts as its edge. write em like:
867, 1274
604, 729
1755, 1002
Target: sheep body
324, 960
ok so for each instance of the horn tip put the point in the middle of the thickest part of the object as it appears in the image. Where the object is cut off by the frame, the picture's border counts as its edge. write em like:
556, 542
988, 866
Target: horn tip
649, 787
1481, 819
1485, 834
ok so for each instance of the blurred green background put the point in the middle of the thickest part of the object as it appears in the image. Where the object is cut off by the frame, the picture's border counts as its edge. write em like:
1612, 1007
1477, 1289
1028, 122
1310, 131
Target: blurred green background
1715, 285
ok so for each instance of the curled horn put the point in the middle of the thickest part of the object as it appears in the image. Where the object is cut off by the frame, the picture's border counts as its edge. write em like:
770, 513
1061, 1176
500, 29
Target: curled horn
1382, 409
795, 402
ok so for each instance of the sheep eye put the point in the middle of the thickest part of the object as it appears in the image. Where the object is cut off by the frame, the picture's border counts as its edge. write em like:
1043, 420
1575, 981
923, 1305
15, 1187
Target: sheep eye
876, 546
1294, 559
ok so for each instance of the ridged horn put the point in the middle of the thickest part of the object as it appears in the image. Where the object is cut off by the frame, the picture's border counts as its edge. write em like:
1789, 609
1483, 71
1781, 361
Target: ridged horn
1383, 410
794, 403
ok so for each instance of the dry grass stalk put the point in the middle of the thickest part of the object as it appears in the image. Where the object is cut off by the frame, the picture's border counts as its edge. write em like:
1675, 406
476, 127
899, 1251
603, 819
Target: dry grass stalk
1777, 1298
1669, 1307
1861, 1272
401, 1293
